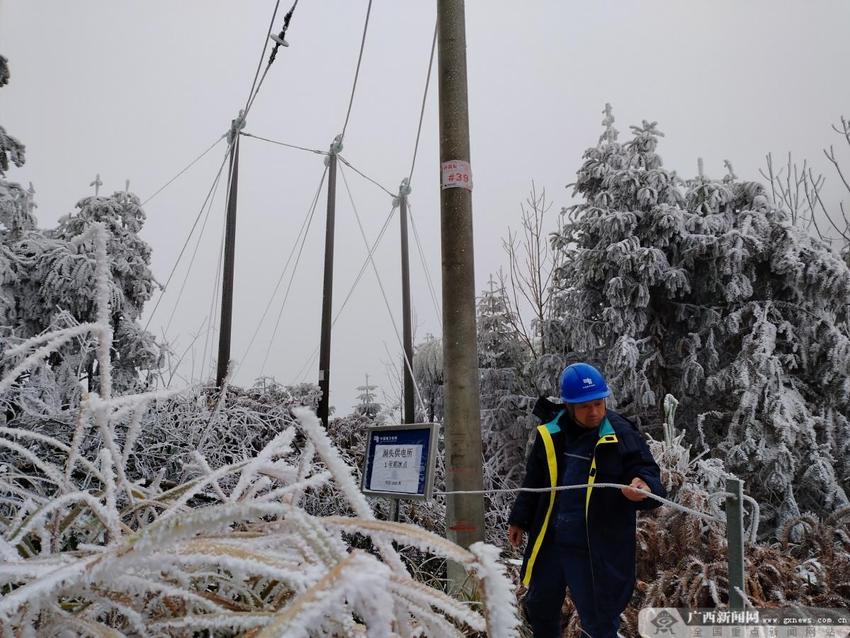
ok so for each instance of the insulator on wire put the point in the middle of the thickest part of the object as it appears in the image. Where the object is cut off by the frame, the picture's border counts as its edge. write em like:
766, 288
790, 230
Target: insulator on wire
279, 39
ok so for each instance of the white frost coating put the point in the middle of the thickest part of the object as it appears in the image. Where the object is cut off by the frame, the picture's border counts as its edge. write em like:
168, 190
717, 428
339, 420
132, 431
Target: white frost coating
342, 474
36, 436
424, 597
133, 430
38, 590
356, 584
102, 281
7, 553
314, 482
171, 529
500, 600
76, 441
43, 352
23, 347
114, 518
49, 470
163, 561
57, 503
278, 445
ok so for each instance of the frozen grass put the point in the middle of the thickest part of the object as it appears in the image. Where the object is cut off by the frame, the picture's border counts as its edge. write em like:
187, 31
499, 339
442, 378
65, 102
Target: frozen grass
229, 550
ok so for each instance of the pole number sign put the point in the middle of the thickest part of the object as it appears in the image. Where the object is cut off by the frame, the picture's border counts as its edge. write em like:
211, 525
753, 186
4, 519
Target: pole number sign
456, 174
400, 460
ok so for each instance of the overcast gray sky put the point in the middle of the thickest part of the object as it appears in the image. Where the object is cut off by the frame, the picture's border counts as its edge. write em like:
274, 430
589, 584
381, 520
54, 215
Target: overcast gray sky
136, 90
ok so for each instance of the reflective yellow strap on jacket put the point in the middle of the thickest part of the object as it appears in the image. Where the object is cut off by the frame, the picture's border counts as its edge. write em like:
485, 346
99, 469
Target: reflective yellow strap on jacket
591, 477
551, 461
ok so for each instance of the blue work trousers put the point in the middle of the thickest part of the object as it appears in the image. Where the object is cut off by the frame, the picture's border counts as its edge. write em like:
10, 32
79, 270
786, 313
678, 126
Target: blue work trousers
556, 568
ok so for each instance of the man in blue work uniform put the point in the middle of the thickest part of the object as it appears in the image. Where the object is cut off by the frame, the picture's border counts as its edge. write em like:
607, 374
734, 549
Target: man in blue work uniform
583, 538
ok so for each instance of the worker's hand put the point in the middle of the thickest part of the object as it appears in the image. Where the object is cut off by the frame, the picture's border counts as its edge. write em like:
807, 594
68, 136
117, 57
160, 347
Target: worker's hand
636, 490
515, 535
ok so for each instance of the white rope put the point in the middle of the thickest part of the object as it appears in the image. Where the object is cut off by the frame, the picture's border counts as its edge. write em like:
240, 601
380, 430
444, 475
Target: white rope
752, 531
744, 597
561, 488
407, 361
754, 517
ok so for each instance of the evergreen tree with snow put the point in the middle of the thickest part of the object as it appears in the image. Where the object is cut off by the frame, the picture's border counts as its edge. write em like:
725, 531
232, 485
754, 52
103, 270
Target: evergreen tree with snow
428, 372
498, 344
47, 278
705, 290
11, 150
502, 359
368, 405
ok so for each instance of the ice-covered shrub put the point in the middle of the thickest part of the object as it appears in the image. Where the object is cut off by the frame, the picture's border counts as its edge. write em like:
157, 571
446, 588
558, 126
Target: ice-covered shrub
85, 548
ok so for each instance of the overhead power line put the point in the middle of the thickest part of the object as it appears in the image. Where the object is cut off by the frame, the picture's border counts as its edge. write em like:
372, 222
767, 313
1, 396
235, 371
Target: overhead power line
425, 267
279, 41
357, 70
305, 228
194, 254
186, 168
299, 375
214, 308
407, 362
292, 275
295, 146
422, 109
366, 177
262, 54
188, 238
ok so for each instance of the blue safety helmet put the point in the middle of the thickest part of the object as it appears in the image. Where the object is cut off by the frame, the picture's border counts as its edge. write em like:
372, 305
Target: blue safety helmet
582, 382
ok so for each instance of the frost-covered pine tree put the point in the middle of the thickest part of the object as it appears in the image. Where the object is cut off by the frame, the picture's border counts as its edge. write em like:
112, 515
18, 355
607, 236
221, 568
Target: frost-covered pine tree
498, 344
428, 372
367, 405
705, 290
502, 358
16, 214
47, 278
11, 150
132, 280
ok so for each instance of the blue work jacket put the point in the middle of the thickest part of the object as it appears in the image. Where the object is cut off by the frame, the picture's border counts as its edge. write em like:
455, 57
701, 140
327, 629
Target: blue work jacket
619, 455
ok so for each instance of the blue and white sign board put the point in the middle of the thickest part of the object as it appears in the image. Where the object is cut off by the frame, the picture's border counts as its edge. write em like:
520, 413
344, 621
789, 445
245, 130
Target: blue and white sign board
400, 460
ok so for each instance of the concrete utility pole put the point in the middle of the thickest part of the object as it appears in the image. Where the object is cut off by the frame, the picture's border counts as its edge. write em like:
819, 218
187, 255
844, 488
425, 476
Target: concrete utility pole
461, 419
229, 258
409, 414
328, 287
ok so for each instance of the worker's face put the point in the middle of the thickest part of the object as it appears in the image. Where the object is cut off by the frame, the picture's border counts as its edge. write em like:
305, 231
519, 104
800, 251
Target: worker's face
590, 413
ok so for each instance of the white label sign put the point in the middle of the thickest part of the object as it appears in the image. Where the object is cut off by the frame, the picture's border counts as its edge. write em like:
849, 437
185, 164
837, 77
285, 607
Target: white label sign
396, 468
456, 174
